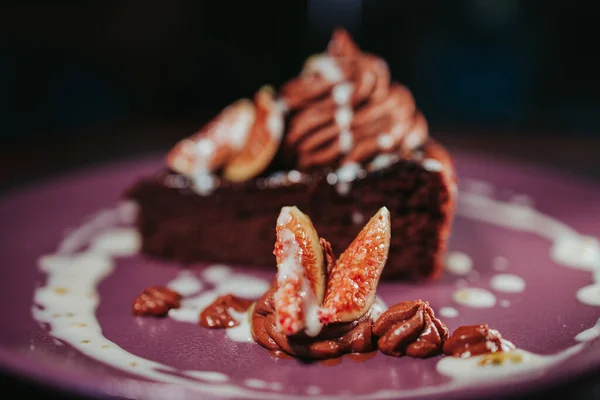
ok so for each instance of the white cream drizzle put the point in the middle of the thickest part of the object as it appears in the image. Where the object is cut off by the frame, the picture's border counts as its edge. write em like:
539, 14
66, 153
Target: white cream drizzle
204, 183
507, 283
216, 273
432, 165
589, 295
412, 141
208, 376
589, 334
332, 178
378, 308
342, 94
324, 65
313, 390
385, 141
474, 297
237, 135
448, 312
94, 224
244, 286
346, 141
120, 242
478, 187
469, 370
185, 284
275, 124
204, 149
569, 248
294, 176
260, 384
282, 105
458, 263
345, 175
382, 161
243, 331
577, 251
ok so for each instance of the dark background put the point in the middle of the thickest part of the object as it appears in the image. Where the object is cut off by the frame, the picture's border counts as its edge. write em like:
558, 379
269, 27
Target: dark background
66, 66
88, 81
84, 81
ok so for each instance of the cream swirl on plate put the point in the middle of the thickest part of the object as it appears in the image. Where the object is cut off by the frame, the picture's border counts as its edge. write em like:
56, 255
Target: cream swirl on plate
344, 109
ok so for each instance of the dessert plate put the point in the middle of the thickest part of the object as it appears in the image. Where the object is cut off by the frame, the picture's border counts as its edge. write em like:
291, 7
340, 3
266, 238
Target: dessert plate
524, 258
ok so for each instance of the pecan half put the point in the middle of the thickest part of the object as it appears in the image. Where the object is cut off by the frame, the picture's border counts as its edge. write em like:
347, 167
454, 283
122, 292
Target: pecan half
410, 328
472, 340
157, 301
218, 314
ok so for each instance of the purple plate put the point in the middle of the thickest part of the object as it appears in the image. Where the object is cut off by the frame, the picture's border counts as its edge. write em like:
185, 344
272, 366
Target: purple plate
523, 258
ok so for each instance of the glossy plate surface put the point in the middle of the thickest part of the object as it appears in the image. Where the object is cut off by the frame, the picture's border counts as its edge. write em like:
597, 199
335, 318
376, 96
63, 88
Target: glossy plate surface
537, 227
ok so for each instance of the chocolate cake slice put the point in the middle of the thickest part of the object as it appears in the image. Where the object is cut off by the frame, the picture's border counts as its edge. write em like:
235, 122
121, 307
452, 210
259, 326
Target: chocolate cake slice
339, 141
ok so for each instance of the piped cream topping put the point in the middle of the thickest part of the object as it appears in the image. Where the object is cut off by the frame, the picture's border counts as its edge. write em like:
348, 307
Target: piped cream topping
342, 93
324, 65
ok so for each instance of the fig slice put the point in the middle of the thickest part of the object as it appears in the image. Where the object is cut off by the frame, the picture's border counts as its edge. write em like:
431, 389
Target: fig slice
300, 273
263, 139
353, 280
209, 149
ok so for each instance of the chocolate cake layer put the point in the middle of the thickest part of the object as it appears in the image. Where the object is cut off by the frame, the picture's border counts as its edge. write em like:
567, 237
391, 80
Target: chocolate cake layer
236, 223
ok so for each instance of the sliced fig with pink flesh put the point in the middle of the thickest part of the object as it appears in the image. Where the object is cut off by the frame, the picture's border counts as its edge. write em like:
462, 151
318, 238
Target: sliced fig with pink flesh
300, 273
263, 140
214, 144
353, 280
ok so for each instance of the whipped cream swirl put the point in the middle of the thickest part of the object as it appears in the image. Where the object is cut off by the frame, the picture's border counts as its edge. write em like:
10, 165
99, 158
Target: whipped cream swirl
344, 109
